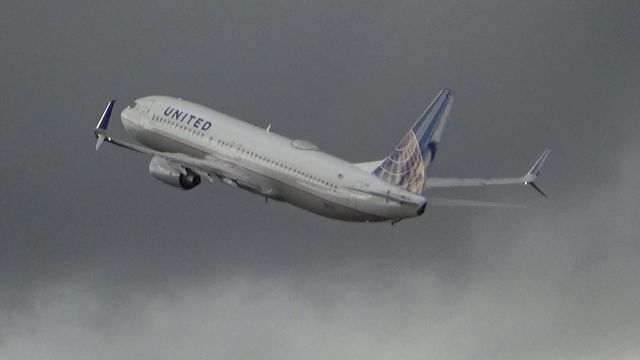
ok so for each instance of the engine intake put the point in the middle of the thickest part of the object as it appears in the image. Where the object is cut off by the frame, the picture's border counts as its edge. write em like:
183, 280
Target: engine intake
162, 170
190, 180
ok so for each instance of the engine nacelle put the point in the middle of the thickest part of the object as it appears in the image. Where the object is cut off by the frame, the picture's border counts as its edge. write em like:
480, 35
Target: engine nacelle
160, 169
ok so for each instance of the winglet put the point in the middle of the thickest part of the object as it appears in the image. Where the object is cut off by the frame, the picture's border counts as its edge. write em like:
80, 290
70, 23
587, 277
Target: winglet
536, 188
535, 171
103, 123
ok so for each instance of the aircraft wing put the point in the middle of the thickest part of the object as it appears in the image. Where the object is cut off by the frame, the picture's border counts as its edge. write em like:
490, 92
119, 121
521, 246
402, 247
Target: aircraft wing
527, 179
469, 203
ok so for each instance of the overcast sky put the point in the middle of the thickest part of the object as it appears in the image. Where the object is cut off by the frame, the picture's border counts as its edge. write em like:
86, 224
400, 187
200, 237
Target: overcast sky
99, 260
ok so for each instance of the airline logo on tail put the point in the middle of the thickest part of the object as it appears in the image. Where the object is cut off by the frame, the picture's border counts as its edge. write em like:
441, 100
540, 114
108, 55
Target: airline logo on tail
408, 162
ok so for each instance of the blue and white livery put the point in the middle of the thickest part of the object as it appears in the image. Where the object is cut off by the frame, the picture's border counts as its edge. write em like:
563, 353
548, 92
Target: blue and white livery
408, 163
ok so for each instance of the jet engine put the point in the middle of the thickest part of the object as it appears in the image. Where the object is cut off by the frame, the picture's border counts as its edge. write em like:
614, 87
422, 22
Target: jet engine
160, 169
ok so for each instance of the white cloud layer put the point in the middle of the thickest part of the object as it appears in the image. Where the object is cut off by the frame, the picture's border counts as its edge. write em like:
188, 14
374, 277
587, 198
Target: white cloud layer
563, 285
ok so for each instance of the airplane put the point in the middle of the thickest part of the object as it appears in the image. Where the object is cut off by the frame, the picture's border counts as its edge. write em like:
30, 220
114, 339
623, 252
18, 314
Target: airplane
188, 142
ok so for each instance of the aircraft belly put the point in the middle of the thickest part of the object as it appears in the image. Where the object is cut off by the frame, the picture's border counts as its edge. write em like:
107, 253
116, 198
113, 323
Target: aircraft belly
389, 210
321, 203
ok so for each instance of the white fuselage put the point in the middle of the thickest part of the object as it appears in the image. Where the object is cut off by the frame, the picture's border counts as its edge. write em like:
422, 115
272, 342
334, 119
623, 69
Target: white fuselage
266, 163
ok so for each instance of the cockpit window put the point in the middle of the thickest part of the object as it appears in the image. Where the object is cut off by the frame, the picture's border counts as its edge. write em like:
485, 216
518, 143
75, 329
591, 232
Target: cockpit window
133, 106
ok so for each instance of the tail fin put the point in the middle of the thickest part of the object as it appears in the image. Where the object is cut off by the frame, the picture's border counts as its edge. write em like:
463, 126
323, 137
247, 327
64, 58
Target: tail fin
412, 157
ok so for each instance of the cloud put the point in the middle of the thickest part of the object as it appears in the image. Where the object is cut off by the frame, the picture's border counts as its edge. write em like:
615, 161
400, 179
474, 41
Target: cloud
99, 260
560, 283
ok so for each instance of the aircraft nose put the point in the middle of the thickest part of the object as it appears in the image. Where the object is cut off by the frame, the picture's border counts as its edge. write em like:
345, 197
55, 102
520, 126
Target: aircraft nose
128, 120
125, 114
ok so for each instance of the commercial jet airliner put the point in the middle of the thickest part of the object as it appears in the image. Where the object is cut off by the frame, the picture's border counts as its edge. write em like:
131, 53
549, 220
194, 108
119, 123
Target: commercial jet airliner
189, 142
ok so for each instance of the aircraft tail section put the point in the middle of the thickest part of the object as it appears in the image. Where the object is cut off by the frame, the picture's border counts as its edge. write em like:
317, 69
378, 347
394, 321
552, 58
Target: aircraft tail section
407, 164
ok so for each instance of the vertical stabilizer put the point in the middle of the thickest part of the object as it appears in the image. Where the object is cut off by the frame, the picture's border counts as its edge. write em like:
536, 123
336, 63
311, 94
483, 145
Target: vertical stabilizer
412, 157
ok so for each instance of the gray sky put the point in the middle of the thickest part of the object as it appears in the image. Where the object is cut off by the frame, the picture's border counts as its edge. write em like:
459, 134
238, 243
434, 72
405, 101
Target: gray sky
98, 260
